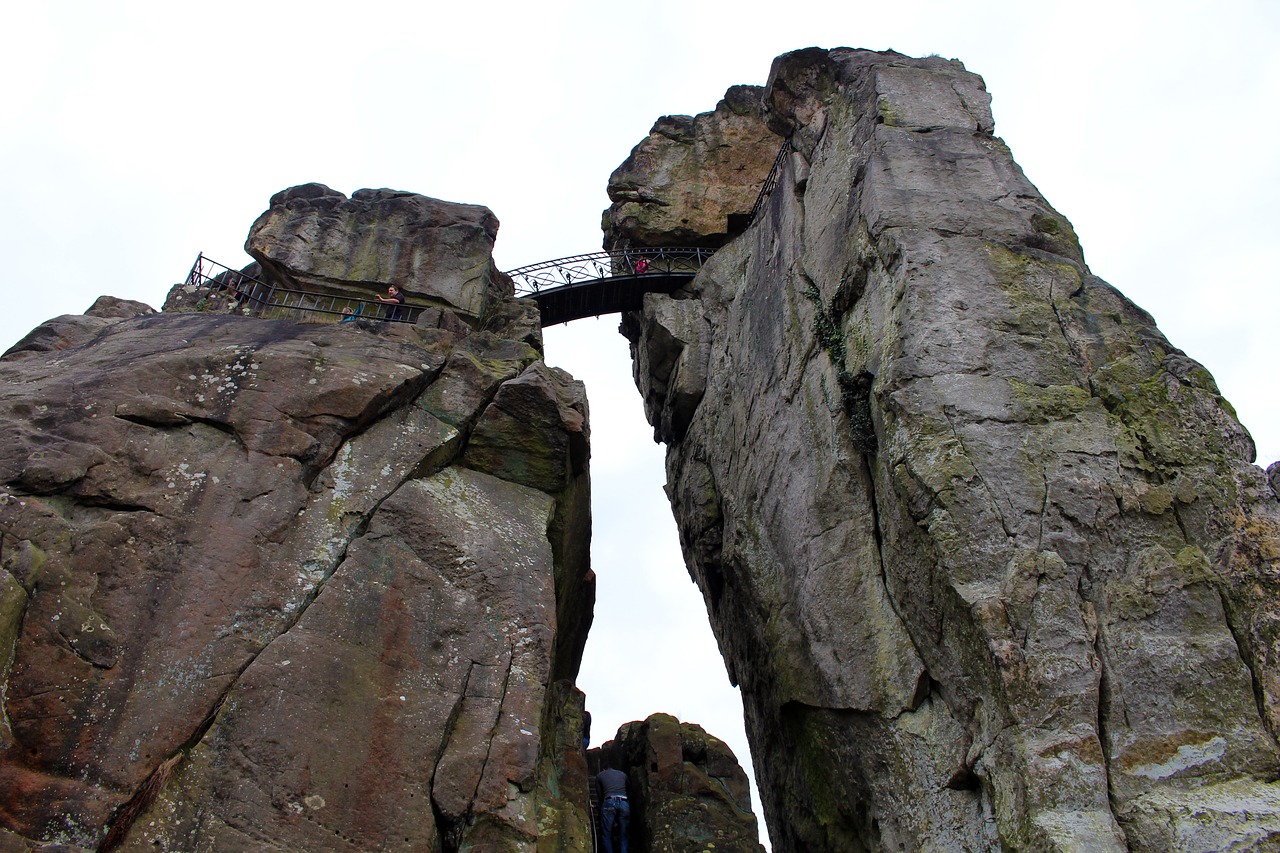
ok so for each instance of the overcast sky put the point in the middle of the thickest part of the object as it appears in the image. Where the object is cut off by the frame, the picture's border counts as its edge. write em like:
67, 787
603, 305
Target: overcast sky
137, 134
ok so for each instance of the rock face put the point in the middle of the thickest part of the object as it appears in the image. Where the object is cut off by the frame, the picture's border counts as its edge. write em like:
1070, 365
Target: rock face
270, 585
693, 180
316, 239
688, 793
985, 552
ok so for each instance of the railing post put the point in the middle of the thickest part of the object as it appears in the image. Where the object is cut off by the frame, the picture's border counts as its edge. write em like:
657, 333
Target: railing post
193, 277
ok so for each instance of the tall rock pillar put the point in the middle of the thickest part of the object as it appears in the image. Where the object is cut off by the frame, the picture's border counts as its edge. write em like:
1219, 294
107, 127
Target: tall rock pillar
295, 586
987, 555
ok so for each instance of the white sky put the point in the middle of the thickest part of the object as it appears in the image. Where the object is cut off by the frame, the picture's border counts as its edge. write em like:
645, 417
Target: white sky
136, 134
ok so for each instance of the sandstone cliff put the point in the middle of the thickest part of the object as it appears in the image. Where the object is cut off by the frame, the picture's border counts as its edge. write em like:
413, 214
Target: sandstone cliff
985, 552
278, 586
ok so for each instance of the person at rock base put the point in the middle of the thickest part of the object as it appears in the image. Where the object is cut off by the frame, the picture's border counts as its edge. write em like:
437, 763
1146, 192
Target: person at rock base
393, 297
615, 810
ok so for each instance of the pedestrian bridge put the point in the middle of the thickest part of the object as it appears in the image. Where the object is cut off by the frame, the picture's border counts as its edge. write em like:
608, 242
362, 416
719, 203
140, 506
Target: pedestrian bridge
565, 288
604, 282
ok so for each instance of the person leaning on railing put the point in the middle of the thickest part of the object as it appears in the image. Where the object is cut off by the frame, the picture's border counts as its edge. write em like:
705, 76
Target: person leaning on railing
393, 297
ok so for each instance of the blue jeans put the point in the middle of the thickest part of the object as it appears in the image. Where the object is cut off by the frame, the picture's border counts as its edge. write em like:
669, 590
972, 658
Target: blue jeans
614, 810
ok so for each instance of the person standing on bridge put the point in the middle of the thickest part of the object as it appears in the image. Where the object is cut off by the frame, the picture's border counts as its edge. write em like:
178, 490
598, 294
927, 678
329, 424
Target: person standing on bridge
393, 297
642, 265
615, 810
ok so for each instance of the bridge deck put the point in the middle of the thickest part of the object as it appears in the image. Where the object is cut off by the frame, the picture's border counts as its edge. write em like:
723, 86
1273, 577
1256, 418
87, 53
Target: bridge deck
594, 297
605, 282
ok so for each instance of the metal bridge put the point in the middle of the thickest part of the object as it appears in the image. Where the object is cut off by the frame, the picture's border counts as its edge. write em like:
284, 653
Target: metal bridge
565, 289
604, 282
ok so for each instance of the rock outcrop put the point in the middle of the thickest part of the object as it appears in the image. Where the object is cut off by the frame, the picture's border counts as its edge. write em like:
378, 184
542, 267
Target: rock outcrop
298, 587
985, 552
694, 179
316, 239
688, 793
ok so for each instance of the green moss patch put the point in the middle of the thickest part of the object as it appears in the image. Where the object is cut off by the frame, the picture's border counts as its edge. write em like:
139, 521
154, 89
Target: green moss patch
855, 390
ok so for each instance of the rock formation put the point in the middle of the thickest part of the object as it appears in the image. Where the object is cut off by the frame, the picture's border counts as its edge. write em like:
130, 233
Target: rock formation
688, 793
694, 179
298, 587
987, 555
985, 552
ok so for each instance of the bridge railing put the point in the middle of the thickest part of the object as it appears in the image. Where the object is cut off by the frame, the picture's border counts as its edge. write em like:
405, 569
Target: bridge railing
253, 296
261, 299
616, 263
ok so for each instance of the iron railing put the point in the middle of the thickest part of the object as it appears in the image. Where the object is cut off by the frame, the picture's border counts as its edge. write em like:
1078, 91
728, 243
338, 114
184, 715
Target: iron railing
771, 181
577, 270
261, 299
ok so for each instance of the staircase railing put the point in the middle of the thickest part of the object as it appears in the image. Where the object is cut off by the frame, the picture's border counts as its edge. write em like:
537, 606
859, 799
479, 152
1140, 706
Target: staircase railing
257, 298
771, 181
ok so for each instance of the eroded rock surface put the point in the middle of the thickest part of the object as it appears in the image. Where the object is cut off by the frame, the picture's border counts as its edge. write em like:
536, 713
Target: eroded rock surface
688, 794
294, 587
986, 553
694, 179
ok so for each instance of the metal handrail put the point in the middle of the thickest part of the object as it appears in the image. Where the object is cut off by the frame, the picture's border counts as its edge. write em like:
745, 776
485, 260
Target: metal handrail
264, 300
771, 181
269, 302
578, 270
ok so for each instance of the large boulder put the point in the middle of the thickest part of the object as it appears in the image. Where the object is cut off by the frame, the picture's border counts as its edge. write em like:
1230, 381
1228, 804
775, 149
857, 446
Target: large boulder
316, 239
694, 180
987, 555
687, 792
259, 590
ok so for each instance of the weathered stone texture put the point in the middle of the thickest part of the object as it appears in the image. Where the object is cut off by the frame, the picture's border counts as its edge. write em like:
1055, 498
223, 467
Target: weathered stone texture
297, 587
688, 793
986, 554
694, 178
315, 238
